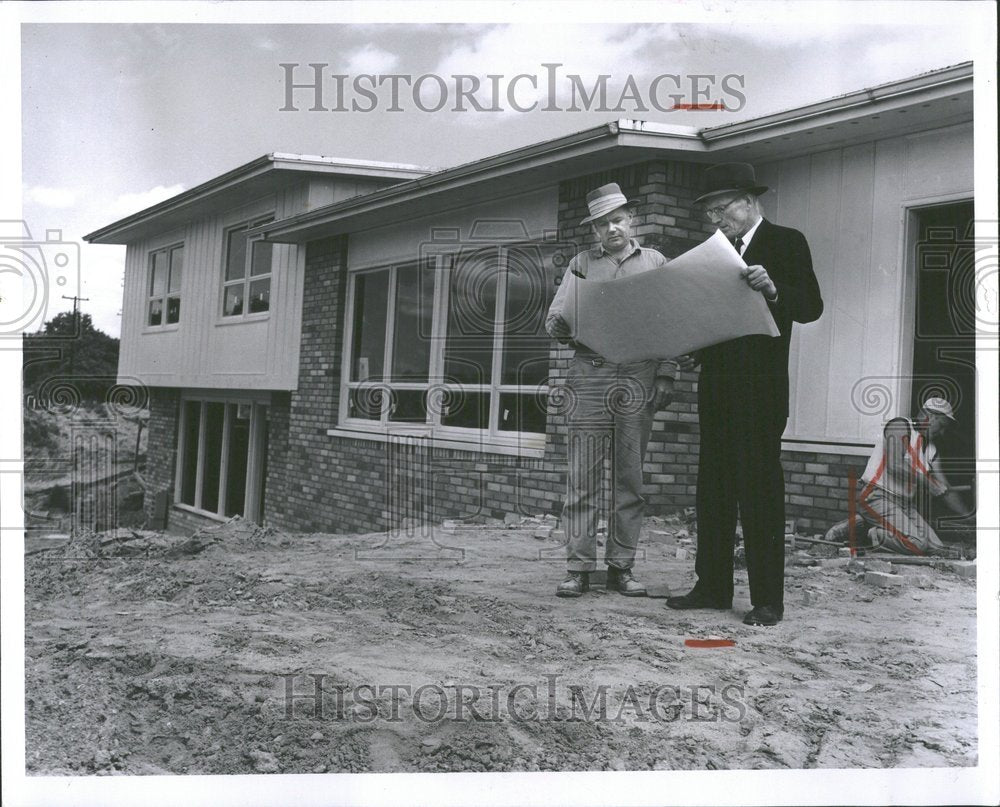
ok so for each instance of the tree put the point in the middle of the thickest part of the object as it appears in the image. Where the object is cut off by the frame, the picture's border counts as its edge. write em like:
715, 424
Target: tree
71, 349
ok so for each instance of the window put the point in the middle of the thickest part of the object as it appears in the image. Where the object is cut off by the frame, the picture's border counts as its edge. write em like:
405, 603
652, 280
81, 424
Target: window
164, 291
221, 457
452, 343
246, 288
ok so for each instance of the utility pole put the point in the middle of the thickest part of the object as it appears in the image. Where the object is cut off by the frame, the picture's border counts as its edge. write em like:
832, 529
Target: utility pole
76, 325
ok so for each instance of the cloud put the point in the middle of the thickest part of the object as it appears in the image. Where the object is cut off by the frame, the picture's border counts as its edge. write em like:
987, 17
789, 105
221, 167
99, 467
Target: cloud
370, 59
586, 50
129, 203
50, 197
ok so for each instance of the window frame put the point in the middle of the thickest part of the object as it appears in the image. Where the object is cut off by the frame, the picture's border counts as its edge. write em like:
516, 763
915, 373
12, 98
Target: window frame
248, 278
165, 297
523, 442
259, 417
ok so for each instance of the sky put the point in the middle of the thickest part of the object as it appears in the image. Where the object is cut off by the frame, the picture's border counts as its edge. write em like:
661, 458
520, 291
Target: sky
116, 117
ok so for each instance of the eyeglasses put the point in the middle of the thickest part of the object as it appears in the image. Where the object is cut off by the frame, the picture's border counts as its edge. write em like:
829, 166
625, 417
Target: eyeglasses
717, 212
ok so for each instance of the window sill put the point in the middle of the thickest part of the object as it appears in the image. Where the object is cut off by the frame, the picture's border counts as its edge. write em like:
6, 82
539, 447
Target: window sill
821, 446
187, 508
241, 319
176, 326
524, 447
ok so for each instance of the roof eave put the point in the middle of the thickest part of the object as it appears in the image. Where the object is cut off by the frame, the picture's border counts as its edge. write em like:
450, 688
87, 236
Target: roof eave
111, 233
896, 92
228, 179
300, 228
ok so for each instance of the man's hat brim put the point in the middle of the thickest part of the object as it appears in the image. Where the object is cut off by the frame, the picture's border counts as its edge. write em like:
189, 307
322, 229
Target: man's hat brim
629, 203
756, 190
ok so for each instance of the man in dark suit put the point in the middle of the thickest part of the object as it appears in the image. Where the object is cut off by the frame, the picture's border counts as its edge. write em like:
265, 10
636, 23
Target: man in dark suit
743, 405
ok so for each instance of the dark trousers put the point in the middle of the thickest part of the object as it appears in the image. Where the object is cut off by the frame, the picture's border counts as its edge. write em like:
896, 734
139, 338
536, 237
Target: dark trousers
740, 474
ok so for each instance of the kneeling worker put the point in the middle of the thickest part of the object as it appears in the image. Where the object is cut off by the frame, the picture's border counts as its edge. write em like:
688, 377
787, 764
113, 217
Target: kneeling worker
904, 460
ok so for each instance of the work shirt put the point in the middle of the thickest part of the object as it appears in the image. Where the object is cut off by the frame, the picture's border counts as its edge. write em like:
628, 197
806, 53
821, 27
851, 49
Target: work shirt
597, 264
917, 464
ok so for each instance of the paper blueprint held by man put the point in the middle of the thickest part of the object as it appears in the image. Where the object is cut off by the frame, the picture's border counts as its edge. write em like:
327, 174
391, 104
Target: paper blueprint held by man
696, 300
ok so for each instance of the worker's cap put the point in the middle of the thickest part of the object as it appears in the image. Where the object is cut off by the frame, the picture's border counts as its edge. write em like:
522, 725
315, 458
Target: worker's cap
939, 406
604, 200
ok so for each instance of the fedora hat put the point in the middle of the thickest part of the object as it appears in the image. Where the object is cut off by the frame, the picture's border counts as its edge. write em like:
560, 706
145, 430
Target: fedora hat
605, 199
729, 178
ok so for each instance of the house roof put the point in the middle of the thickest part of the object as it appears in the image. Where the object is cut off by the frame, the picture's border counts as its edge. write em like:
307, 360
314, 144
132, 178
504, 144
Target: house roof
930, 100
266, 174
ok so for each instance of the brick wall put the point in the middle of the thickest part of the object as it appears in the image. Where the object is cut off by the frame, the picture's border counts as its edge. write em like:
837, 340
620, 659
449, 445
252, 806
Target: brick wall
817, 487
161, 441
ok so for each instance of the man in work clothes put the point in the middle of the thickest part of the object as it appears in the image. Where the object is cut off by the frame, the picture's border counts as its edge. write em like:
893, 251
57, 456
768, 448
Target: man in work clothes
743, 405
903, 462
611, 409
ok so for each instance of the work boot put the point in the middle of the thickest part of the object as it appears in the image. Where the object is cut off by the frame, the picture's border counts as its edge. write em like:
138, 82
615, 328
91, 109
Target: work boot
574, 585
624, 582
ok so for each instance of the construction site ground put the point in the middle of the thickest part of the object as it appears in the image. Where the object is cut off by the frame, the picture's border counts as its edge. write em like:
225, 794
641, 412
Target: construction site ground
443, 649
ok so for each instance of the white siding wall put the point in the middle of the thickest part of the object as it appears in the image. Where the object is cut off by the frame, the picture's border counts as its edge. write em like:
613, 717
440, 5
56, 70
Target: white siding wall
327, 190
852, 204
204, 350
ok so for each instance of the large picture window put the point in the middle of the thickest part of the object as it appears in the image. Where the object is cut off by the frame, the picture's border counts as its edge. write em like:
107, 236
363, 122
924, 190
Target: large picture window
222, 446
246, 287
164, 290
452, 343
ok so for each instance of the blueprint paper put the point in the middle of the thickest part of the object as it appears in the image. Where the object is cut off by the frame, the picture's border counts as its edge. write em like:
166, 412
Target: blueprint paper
698, 299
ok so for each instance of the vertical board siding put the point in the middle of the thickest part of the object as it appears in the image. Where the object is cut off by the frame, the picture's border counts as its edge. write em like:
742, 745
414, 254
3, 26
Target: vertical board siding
205, 351
257, 354
847, 290
794, 181
813, 354
877, 394
848, 370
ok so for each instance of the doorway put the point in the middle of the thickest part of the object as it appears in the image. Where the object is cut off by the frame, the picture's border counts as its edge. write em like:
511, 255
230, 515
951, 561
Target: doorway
944, 334
222, 457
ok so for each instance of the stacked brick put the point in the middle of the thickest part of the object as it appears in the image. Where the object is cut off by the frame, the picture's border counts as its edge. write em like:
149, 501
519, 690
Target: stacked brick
161, 439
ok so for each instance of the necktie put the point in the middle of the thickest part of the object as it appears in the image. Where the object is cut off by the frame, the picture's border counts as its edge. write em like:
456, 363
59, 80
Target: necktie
738, 243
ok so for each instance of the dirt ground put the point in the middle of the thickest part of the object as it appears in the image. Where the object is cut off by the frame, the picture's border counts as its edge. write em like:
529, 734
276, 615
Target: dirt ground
152, 654
80, 467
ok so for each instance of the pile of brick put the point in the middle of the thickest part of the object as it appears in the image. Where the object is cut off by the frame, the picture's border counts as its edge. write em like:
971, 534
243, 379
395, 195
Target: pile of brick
905, 571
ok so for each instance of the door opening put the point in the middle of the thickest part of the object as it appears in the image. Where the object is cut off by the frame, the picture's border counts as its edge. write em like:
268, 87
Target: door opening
944, 358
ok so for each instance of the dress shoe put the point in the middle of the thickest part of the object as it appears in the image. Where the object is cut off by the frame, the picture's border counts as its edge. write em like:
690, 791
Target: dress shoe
696, 599
574, 585
624, 582
764, 615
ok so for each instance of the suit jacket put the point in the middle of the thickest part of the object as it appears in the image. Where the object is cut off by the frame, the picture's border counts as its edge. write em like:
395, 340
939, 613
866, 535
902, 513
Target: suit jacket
750, 374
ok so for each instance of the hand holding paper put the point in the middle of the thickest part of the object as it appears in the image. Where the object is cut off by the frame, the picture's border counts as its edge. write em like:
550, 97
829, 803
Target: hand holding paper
699, 299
